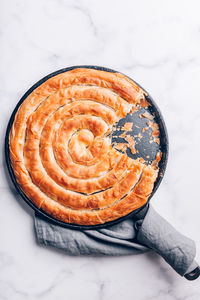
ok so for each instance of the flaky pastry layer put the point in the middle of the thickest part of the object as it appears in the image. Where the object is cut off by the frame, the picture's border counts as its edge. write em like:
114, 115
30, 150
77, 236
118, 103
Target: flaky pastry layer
61, 153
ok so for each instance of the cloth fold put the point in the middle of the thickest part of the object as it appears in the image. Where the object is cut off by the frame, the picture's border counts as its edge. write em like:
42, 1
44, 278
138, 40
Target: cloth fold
144, 232
116, 240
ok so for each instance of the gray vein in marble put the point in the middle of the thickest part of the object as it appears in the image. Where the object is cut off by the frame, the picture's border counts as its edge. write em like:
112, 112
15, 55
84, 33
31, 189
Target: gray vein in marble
101, 291
58, 280
180, 64
146, 66
87, 14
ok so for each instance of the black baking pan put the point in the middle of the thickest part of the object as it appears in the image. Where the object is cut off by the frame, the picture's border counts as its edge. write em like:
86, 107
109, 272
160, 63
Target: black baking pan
145, 149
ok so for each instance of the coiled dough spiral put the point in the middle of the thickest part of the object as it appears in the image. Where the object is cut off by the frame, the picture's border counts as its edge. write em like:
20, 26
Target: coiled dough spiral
61, 152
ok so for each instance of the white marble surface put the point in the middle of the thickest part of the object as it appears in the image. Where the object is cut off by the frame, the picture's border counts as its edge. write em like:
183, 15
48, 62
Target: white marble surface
158, 44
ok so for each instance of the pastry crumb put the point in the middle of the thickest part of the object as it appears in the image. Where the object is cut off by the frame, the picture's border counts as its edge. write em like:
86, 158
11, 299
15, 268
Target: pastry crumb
127, 126
156, 161
157, 141
146, 115
123, 134
131, 143
155, 133
145, 129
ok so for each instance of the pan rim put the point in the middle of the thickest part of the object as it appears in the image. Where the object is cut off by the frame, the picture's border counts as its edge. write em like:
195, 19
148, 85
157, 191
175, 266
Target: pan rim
46, 216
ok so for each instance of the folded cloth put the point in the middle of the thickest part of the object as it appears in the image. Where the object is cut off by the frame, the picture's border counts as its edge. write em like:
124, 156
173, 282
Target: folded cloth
145, 231
116, 240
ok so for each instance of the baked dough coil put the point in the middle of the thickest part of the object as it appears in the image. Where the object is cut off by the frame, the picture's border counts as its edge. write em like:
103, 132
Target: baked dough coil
61, 152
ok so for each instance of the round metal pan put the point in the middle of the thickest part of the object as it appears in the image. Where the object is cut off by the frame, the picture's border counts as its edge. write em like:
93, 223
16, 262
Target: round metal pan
150, 150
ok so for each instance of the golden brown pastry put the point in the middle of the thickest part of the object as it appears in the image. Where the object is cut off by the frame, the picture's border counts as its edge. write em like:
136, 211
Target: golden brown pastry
61, 151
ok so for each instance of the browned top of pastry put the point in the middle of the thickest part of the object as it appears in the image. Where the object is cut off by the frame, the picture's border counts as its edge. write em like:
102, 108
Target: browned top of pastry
61, 151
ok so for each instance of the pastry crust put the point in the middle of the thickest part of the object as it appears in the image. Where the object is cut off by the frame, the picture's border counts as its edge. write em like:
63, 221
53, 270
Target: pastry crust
61, 152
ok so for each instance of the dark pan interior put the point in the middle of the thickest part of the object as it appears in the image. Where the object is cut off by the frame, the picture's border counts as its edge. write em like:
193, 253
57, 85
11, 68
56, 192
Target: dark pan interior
143, 149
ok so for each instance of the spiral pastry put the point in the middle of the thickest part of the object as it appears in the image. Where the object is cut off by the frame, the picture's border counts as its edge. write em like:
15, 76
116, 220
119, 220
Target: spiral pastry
61, 152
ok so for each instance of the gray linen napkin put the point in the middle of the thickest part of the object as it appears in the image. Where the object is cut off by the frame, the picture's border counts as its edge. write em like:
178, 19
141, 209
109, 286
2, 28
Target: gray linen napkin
146, 231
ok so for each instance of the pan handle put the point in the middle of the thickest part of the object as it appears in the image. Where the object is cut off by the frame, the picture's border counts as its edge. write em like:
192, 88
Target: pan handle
193, 275
177, 250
